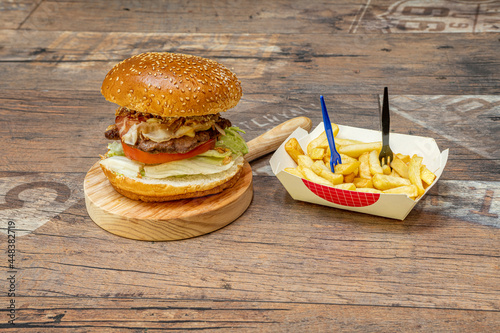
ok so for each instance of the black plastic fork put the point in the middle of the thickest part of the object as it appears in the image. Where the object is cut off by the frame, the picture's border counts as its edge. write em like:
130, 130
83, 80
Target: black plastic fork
386, 155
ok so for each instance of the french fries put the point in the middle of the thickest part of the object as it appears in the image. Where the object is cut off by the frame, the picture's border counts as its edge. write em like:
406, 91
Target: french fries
385, 182
360, 169
322, 170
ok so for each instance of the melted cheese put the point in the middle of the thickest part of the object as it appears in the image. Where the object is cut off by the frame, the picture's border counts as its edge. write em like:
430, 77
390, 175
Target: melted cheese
159, 132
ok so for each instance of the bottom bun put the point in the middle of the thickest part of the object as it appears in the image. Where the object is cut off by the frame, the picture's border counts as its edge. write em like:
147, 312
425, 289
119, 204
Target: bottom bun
174, 188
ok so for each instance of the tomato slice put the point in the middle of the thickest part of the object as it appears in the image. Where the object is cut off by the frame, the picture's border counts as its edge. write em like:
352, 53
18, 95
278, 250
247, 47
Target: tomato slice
150, 158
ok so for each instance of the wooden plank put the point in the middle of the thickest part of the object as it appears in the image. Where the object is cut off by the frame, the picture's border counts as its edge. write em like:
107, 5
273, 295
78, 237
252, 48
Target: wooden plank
112, 314
337, 17
14, 13
194, 16
460, 64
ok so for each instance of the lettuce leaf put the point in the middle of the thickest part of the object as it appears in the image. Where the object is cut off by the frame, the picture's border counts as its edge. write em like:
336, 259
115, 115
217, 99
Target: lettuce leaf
115, 149
233, 141
197, 165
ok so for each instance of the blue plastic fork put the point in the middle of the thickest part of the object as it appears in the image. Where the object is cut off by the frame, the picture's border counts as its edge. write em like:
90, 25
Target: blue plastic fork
334, 155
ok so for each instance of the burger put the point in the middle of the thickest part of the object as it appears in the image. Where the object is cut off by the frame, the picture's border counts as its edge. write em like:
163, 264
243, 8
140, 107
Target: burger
169, 140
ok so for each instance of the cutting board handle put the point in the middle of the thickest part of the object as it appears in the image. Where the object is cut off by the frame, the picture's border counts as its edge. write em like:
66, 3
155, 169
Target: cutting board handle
272, 139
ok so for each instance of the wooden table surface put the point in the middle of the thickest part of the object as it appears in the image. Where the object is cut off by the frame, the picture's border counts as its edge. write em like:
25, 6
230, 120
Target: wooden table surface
284, 265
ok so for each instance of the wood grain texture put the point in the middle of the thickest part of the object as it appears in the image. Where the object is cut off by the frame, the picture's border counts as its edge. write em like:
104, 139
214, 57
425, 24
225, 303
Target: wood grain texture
271, 63
153, 314
14, 14
282, 266
196, 16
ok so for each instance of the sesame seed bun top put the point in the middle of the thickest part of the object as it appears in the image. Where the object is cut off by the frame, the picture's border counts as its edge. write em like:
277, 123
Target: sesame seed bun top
172, 85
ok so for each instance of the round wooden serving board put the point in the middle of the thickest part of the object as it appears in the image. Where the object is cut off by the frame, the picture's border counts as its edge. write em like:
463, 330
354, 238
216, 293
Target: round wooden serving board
164, 221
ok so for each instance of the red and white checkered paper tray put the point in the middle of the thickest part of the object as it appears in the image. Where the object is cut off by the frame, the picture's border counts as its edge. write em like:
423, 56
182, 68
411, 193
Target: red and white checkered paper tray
396, 206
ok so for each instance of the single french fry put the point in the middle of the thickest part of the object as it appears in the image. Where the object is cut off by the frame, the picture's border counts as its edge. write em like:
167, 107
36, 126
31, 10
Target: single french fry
316, 142
400, 167
426, 175
335, 129
346, 168
346, 186
305, 160
410, 190
362, 182
358, 149
295, 172
368, 190
347, 159
414, 173
374, 163
310, 175
384, 182
322, 170
317, 153
405, 158
364, 166
293, 149
349, 178
346, 142
324, 144
386, 169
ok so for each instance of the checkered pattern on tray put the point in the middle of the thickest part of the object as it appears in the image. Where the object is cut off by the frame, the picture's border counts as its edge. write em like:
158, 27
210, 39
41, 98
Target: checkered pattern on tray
342, 197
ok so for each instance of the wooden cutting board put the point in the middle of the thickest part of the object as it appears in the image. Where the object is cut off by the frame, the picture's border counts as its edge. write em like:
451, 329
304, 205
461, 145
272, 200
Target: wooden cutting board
181, 219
